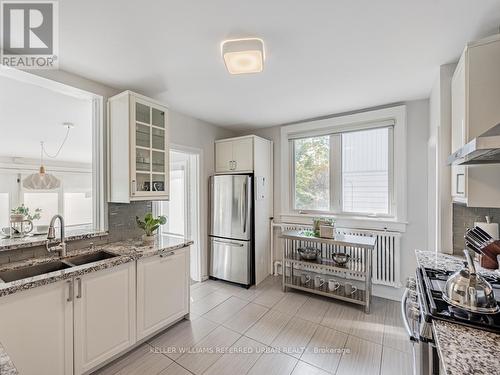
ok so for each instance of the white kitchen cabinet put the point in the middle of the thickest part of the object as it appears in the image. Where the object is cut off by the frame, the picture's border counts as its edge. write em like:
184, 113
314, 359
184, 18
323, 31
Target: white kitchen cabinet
162, 290
105, 315
234, 155
475, 94
36, 329
138, 149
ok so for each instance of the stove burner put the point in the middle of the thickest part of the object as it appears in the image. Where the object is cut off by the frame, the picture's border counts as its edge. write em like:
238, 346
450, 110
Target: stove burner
459, 313
431, 284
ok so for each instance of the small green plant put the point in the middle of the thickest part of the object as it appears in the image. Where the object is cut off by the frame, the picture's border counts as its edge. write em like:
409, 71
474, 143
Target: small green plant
23, 210
150, 224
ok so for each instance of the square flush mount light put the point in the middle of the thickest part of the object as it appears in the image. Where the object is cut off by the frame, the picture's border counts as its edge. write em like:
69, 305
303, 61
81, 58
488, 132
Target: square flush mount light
243, 56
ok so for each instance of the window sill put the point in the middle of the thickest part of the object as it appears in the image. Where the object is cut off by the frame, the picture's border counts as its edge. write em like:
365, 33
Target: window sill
344, 221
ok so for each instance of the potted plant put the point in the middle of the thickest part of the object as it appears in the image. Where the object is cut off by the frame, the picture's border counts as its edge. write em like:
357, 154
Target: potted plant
150, 224
21, 220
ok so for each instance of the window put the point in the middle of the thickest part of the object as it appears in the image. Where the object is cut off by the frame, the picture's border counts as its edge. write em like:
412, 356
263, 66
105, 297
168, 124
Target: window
312, 173
345, 172
365, 171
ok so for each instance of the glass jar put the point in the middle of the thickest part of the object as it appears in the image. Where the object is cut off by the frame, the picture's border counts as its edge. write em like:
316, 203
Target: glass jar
20, 226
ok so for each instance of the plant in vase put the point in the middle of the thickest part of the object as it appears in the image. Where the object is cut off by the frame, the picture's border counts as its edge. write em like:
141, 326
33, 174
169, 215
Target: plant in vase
21, 217
150, 224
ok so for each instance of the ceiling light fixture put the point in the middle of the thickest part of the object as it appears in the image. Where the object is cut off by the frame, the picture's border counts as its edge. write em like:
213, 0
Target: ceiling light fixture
43, 180
243, 56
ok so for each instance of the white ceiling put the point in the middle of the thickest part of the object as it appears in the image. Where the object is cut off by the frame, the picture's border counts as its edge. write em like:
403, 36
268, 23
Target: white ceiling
323, 56
30, 114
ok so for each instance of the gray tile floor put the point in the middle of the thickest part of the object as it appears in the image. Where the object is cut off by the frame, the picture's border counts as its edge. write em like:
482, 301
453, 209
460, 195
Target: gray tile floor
265, 331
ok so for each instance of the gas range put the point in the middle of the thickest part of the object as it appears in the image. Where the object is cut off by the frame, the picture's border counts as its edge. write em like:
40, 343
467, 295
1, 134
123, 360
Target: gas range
422, 303
432, 283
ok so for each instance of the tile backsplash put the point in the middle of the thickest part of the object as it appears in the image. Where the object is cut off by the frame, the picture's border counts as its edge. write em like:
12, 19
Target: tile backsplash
464, 217
121, 226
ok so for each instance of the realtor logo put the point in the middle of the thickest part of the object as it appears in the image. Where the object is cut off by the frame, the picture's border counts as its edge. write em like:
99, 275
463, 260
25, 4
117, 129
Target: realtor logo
29, 34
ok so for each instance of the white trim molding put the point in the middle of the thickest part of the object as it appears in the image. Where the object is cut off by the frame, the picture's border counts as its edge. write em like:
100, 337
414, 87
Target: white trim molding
393, 116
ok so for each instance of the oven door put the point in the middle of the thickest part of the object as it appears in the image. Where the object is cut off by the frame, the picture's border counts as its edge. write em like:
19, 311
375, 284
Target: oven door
422, 351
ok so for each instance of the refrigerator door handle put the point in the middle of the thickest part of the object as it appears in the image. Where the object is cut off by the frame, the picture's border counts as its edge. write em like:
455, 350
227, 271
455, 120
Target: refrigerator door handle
245, 193
228, 243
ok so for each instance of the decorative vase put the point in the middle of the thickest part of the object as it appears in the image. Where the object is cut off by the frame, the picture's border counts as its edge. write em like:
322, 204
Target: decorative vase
148, 240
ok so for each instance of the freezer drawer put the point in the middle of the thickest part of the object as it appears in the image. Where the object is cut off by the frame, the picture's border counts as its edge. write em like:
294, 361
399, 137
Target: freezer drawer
231, 260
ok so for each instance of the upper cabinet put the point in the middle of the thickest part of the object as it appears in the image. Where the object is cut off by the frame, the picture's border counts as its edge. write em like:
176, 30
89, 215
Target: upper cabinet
475, 98
138, 149
234, 155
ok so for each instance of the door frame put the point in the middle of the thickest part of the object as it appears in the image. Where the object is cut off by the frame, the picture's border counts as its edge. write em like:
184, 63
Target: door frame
200, 246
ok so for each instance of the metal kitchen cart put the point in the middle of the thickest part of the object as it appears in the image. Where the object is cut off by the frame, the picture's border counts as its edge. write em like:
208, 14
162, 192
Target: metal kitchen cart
359, 267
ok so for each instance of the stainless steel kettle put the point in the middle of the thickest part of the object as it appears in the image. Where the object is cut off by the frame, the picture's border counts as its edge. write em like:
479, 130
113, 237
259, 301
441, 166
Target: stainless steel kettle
467, 290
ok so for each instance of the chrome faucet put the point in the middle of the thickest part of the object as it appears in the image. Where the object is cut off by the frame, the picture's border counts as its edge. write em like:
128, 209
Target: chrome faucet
61, 248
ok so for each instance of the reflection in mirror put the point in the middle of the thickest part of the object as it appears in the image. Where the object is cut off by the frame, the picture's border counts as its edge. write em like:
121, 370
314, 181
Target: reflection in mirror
31, 113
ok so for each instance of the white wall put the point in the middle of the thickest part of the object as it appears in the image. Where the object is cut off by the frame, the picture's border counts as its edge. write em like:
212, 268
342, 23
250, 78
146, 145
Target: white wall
415, 236
191, 132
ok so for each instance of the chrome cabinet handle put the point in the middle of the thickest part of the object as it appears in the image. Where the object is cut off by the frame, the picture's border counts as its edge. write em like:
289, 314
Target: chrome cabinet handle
133, 187
79, 294
169, 254
71, 290
235, 164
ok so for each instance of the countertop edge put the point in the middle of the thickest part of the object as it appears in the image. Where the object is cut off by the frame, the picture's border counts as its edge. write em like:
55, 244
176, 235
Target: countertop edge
127, 251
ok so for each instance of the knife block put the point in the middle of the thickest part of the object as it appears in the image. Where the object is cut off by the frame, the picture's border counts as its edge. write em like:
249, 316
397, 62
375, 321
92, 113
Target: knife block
489, 258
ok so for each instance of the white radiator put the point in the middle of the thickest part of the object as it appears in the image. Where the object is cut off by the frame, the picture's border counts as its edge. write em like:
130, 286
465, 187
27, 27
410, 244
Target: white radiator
386, 256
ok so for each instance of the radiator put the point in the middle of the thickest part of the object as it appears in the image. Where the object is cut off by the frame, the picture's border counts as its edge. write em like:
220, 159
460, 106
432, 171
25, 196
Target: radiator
386, 255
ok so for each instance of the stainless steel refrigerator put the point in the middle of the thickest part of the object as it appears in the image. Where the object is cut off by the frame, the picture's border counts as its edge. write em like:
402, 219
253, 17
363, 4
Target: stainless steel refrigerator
231, 229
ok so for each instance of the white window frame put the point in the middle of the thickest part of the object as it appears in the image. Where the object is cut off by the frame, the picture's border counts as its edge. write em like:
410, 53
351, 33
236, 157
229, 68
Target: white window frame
393, 117
98, 194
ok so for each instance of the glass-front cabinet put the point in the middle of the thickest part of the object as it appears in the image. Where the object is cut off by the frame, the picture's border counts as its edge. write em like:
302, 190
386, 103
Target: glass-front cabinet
148, 142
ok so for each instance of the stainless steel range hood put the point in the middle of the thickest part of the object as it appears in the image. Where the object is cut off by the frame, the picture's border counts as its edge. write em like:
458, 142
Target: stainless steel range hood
484, 149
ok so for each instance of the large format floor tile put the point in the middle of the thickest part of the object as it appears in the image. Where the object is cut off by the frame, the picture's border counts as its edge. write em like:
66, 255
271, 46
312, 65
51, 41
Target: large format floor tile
364, 358
239, 359
246, 317
314, 309
395, 362
275, 364
141, 361
283, 333
294, 338
207, 351
181, 337
226, 310
268, 327
325, 349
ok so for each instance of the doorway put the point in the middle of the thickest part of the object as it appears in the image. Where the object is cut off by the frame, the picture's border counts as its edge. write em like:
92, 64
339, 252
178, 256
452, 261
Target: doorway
183, 208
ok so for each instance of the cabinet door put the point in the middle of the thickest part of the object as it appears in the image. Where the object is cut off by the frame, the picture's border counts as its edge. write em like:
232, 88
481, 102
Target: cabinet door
243, 155
458, 130
149, 164
223, 156
162, 290
104, 315
36, 329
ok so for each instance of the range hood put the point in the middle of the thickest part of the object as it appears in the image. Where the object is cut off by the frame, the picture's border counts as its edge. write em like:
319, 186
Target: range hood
484, 149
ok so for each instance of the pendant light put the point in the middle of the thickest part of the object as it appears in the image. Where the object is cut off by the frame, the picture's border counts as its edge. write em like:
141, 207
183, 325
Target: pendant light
43, 180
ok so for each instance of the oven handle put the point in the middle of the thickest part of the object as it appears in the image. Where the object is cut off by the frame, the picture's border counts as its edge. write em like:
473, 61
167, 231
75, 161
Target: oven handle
405, 317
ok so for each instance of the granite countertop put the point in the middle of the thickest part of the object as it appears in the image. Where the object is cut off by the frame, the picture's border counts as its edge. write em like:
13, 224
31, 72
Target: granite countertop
6, 365
7, 243
127, 251
462, 350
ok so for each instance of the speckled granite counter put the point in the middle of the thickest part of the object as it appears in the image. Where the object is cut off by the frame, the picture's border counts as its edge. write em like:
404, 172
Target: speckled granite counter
462, 350
6, 365
126, 251
7, 244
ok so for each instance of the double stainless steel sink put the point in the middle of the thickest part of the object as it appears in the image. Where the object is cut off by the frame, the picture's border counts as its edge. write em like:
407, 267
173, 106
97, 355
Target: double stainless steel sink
56, 265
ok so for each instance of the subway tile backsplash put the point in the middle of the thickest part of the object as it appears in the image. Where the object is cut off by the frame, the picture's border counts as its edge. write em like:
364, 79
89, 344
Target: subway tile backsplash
464, 217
